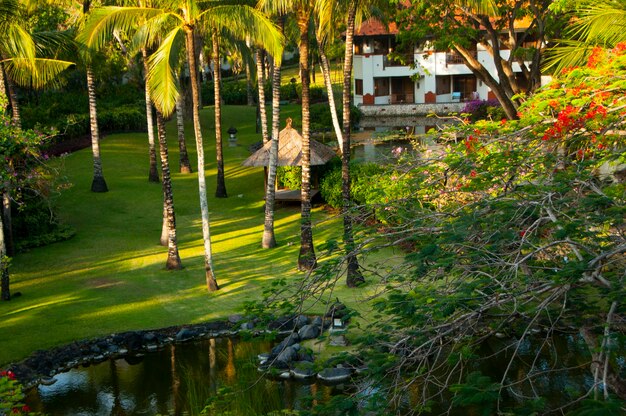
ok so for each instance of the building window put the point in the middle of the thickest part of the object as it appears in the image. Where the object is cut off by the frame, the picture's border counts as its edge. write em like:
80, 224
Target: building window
381, 87
443, 84
358, 86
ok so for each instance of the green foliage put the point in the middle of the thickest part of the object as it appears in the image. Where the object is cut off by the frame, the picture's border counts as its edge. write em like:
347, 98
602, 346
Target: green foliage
289, 177
478, 392
363, 188
12, 396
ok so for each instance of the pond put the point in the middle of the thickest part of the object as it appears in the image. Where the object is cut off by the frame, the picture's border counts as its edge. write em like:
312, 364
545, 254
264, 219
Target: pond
177, 380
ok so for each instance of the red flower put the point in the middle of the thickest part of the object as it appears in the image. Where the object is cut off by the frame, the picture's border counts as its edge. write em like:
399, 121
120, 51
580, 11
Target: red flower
473, 173
522, 233
25, 409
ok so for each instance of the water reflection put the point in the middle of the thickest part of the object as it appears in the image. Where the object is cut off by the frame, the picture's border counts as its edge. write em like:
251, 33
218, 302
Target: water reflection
177, 380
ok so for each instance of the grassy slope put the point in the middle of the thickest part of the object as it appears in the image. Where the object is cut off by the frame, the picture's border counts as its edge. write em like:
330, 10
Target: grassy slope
110, 277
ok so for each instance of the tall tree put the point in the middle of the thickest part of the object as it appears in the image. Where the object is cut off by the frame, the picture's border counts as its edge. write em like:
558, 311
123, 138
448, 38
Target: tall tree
269, 238
220, 190
183, 156
173, 258
153, 173
182, 18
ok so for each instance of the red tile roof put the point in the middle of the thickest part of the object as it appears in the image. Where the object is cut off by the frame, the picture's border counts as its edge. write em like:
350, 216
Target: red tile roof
374, 27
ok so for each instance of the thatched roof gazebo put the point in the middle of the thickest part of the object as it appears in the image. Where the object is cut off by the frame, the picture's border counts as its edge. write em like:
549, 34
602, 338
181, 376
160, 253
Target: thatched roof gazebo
290, 154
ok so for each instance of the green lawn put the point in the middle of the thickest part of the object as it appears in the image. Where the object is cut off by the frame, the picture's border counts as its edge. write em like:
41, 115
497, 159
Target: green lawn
110, 277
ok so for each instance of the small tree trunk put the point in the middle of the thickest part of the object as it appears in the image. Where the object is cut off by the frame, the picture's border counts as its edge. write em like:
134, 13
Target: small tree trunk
261, 83
98, 184
325, 65
184, 165
220, 191
269, 239
353, 276
204, 208
153, 173
5, 293
306, 259
7, 221
173, 258
165, 231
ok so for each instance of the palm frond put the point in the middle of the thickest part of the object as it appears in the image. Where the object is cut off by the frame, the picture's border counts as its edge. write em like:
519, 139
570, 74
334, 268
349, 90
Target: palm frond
486, 7
162, 79
277, 6
54, 43
151, 31
244, 20
601, 23
16, 42
35, 73
566, 54
99, 26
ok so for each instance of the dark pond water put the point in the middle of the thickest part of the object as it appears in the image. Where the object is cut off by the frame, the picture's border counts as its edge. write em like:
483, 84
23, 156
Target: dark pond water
178, 380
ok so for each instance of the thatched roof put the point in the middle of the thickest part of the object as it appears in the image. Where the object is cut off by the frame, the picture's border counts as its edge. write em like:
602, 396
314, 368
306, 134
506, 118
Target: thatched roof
290, 150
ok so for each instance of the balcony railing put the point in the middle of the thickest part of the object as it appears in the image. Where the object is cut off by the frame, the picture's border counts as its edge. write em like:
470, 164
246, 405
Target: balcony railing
408, 60
453, 58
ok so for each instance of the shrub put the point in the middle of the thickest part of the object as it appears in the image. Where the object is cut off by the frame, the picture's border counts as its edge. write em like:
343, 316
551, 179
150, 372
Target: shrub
484, 110
363, 188
12, 395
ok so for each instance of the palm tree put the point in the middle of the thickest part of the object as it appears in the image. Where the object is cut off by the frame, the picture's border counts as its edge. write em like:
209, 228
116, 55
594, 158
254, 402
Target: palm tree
220, 190
153, 173
183, 156
600, 23
269, 238
182, 17
303, 11
173, 258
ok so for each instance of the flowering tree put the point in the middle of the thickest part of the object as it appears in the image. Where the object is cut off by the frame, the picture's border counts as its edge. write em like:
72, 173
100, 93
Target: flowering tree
508, 298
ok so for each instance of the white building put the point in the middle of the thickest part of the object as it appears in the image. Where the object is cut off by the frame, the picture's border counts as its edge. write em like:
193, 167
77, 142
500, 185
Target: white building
437, 77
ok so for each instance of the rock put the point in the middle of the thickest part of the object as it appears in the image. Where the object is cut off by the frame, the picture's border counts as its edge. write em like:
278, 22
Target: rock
303, 370
293, 338
309, 332
233, 319
300, 321
334, 375
305, 356
281, 324
149, 337
296, 347
285, 375
247, 326
152, 347
287, 355
184, 334
263, 357
317, 321
47, 381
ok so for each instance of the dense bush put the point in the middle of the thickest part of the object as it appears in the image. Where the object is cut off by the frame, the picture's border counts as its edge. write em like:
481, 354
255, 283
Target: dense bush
321, 119
484, 110
120, 108
35, 223
364, 184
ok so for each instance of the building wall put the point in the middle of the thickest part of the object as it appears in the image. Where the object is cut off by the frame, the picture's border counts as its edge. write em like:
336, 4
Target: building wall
429, 65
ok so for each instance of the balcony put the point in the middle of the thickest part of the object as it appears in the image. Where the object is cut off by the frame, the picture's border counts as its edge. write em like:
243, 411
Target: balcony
408, 59
453, 58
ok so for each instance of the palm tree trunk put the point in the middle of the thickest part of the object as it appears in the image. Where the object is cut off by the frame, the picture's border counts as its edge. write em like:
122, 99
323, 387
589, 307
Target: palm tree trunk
306, 258
3, 91
15, 106
353, 276
173, 258
5, 293
184, 165
325, 65
249, 86
261, 83
220, 191
165, 230
98, 184
153, 174
204, 208
269, 239
7, 221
